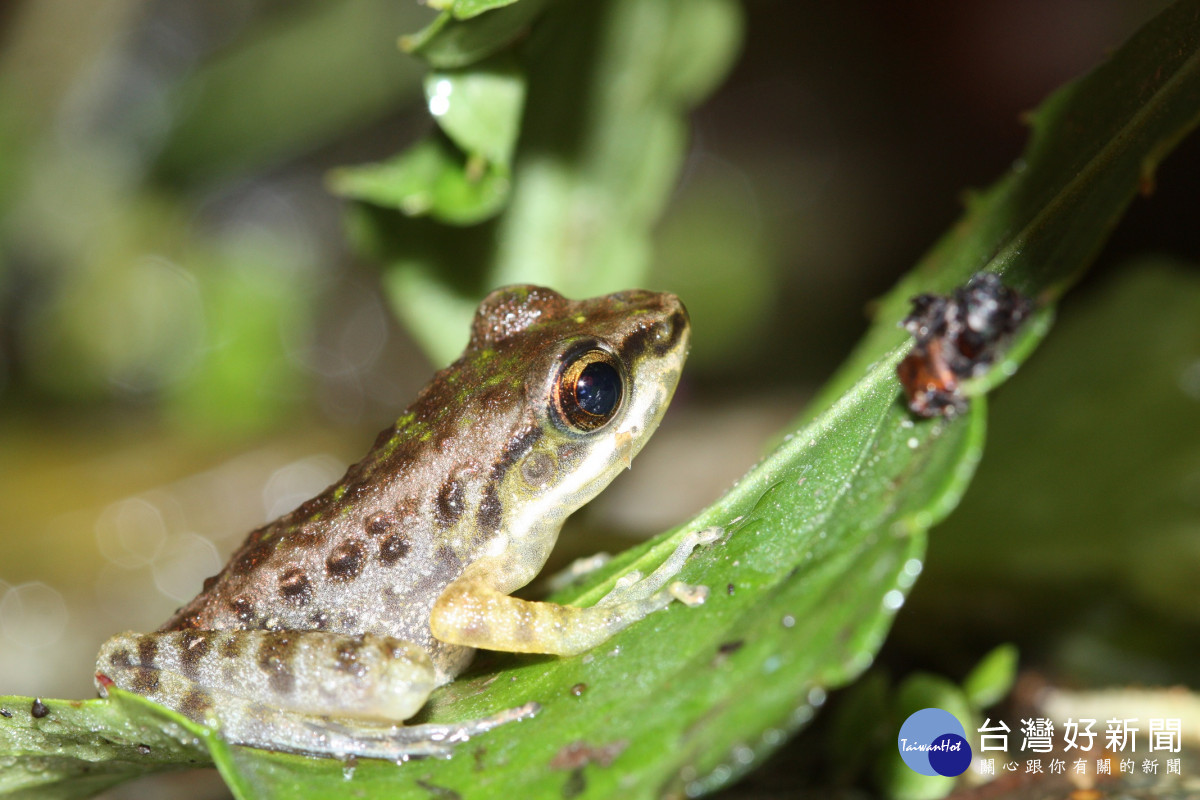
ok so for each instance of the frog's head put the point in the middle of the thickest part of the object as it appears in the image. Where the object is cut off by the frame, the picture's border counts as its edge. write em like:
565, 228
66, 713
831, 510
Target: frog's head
597, 377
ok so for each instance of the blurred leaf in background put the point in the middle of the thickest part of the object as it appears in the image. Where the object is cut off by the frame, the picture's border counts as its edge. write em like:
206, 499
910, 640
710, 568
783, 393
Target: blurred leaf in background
134, 272
173, 283
595, 163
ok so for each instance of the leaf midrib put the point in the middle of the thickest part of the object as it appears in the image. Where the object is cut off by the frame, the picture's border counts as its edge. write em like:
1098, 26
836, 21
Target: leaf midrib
1122, 139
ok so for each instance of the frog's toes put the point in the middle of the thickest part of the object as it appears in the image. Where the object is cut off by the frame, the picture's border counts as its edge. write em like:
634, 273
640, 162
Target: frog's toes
709, 535
690, 542
633, 587
330, 737
576, 571
688, 594
621, 589
464, 730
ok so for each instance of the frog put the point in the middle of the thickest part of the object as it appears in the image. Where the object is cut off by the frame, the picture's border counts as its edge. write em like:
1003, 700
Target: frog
332, 625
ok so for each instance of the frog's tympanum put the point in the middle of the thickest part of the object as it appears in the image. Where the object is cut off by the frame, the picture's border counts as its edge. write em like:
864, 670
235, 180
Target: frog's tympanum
331, 625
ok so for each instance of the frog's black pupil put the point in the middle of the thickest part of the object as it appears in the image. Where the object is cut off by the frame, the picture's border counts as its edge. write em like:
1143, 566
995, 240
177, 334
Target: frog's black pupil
598, 389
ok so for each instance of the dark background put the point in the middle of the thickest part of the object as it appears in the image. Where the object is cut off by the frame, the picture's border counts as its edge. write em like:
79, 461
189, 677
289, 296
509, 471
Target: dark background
188, 345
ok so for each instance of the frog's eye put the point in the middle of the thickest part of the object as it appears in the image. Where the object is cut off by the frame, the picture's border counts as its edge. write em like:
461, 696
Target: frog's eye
588, 390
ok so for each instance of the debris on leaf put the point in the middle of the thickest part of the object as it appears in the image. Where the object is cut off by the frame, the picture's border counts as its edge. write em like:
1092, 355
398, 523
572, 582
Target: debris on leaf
957, 337
579, 754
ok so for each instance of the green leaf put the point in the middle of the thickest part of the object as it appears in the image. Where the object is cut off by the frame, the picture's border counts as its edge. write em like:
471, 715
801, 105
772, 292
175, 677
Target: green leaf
602, 140
465, 9
480, 108
824, 538
431, 178
992, 677
81, 747
453, 41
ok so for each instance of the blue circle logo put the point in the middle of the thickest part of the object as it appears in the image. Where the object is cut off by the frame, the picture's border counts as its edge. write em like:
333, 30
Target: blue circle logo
933, 742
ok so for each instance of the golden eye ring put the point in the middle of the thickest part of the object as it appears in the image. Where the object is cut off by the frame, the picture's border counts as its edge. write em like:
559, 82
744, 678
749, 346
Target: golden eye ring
589, 390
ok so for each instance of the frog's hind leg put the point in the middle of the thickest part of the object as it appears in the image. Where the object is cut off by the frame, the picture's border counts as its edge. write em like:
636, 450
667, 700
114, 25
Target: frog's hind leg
330, 736
302, 691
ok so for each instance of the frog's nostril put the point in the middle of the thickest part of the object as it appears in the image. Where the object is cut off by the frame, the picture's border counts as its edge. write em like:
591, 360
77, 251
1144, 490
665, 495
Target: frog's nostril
663, 331
666, 333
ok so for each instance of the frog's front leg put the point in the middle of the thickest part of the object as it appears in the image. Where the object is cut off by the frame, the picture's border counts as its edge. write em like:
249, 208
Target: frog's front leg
476, 611
302, 691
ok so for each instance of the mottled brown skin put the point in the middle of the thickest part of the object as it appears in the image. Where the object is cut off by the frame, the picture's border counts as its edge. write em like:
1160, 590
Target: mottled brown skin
462, 434
331, 624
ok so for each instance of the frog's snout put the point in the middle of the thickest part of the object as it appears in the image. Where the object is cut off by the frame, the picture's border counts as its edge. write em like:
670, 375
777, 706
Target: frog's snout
668, 335
674, 327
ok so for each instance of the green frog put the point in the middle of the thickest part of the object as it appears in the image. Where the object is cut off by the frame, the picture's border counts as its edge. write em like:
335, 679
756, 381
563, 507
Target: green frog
331, 626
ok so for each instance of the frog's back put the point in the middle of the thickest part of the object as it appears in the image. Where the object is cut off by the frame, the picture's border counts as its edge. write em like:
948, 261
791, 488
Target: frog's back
372, 553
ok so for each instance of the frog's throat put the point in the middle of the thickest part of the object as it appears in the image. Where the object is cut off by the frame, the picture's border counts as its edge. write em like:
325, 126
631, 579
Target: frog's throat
534, 524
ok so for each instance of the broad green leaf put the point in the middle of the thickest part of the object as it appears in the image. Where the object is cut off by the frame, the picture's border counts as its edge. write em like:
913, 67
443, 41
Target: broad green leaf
824, 538
479, 110
431, 178
80, 747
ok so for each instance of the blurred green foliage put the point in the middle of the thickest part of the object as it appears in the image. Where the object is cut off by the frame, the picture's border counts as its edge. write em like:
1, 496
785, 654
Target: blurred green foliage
602, 138
160, 256
125, 278
295, 82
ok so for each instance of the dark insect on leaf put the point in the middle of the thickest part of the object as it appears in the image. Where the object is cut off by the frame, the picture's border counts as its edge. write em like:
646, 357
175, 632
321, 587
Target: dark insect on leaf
957, 337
